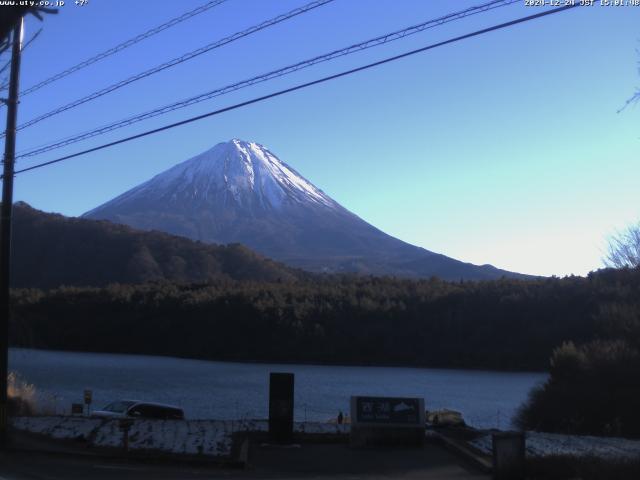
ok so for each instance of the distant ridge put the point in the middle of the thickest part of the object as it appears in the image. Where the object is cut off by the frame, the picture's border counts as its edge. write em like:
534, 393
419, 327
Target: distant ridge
49, 250
241, 192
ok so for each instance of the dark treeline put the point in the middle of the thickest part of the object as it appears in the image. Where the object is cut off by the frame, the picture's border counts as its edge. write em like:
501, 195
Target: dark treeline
50, 250
504, 324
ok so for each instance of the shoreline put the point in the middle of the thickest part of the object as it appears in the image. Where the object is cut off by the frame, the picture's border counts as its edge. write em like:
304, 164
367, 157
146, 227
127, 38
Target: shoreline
291, 362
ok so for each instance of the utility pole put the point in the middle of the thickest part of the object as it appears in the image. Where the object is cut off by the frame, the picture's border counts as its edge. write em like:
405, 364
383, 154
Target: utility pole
5, 223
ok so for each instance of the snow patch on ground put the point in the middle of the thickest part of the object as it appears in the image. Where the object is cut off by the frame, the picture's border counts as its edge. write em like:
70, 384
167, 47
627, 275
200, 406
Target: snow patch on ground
321, 428
58, 427
539, 444
191, 437
185, 437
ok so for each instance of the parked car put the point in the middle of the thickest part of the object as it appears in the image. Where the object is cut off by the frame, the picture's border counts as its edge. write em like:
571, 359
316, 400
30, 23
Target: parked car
136, 409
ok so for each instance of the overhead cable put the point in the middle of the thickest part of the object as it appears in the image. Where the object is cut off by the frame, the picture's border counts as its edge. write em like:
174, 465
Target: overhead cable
301, 86
175, 61
121, 46
373, 42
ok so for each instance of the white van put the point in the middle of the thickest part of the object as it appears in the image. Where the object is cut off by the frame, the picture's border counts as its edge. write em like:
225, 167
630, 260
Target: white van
136, 409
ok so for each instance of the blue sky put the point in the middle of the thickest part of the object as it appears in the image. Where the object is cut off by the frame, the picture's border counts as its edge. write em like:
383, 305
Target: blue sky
504, 149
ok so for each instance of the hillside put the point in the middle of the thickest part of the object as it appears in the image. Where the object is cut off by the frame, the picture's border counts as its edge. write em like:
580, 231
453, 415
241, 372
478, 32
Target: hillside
49, 250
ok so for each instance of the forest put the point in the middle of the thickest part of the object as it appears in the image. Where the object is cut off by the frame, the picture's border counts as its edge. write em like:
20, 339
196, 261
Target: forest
504, 324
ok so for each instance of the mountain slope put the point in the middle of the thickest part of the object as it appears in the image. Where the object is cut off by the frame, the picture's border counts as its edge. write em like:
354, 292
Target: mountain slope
241, 192
49, 250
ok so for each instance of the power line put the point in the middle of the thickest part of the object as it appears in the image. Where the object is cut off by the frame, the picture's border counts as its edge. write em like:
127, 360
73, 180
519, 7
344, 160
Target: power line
301, 86
374, 42
177, 61
126, 44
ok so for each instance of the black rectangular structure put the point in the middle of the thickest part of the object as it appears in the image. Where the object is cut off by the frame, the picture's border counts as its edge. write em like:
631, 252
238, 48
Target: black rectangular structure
509, 451
281, 407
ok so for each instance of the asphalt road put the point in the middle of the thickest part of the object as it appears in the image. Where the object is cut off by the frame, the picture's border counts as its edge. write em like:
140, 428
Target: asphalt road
318, 461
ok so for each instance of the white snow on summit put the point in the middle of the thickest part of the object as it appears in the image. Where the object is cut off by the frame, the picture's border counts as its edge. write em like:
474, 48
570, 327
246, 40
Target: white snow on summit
243, 170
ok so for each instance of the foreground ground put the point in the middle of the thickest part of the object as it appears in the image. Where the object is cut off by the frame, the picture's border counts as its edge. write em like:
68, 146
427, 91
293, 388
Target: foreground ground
80, 447
316, 461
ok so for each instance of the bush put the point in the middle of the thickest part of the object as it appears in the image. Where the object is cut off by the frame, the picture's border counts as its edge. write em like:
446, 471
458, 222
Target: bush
593, 389
21, 396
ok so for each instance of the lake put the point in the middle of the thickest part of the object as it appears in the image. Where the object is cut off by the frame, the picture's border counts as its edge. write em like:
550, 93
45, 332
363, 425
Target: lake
227, 390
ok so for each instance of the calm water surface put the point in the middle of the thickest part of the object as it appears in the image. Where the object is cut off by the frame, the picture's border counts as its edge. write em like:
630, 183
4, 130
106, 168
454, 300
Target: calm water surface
226, 390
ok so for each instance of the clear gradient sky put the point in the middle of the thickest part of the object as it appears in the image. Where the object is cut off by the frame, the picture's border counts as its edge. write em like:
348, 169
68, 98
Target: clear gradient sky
504, 149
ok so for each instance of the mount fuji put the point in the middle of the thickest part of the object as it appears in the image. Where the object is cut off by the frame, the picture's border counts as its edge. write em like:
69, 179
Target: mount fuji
240, 192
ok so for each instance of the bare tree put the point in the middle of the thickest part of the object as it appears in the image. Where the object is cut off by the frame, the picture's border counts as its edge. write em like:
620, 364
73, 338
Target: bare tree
624, 248
636, 96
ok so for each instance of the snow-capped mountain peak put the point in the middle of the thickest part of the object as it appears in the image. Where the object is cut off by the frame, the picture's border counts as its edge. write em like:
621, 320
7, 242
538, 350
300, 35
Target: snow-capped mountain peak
245, 173
241, 192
